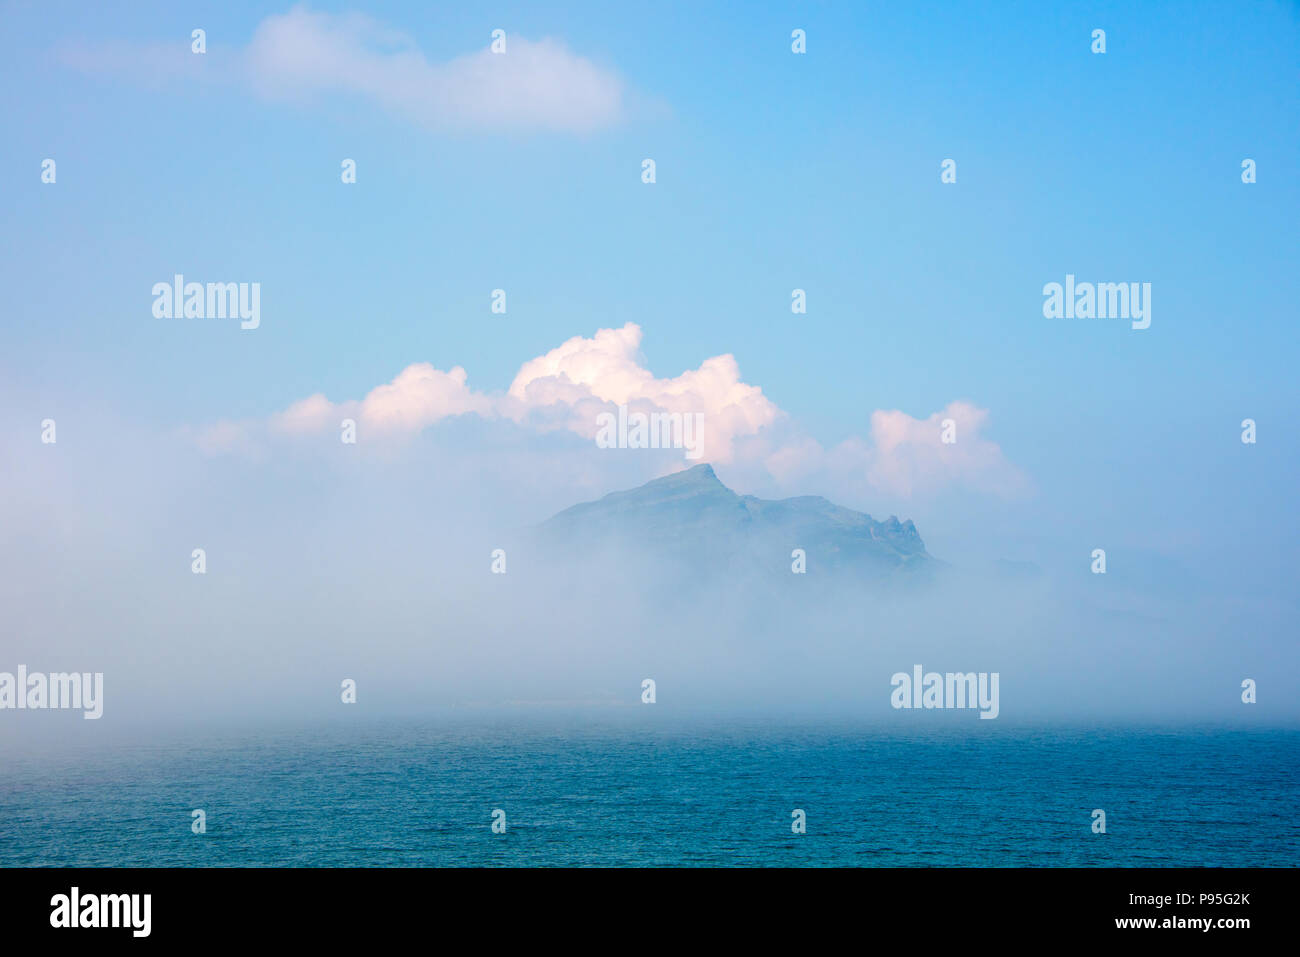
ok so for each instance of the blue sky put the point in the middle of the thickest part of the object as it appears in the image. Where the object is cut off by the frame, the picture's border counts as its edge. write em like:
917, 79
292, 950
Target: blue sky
774, 171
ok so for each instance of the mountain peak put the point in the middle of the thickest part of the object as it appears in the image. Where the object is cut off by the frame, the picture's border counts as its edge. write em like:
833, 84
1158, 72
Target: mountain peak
697, 480
692, 512
700, 474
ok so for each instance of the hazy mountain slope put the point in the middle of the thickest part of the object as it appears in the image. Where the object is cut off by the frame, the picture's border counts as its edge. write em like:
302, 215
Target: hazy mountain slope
691, 518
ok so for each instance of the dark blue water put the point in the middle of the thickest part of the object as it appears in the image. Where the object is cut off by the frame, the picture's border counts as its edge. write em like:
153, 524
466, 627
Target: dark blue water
619, 794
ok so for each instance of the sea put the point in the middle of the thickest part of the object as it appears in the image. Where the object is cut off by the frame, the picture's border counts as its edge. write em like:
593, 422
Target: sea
624, 792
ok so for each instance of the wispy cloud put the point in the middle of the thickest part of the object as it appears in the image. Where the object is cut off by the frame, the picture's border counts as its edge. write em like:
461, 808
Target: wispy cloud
906, 456
304, 55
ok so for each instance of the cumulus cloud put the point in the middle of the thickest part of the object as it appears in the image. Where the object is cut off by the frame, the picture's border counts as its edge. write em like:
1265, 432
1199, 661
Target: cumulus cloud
902, 456
420, 396
571, 386
304, 54
576, 381
909, 454
567, 388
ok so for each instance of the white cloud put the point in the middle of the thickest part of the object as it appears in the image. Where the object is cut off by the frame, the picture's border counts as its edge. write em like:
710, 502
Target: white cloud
903, 456
304, 55
311, 414
909, 456
418, 397
576, 381
568, 387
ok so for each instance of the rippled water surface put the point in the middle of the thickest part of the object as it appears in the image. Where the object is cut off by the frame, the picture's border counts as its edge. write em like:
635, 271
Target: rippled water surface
616, 793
